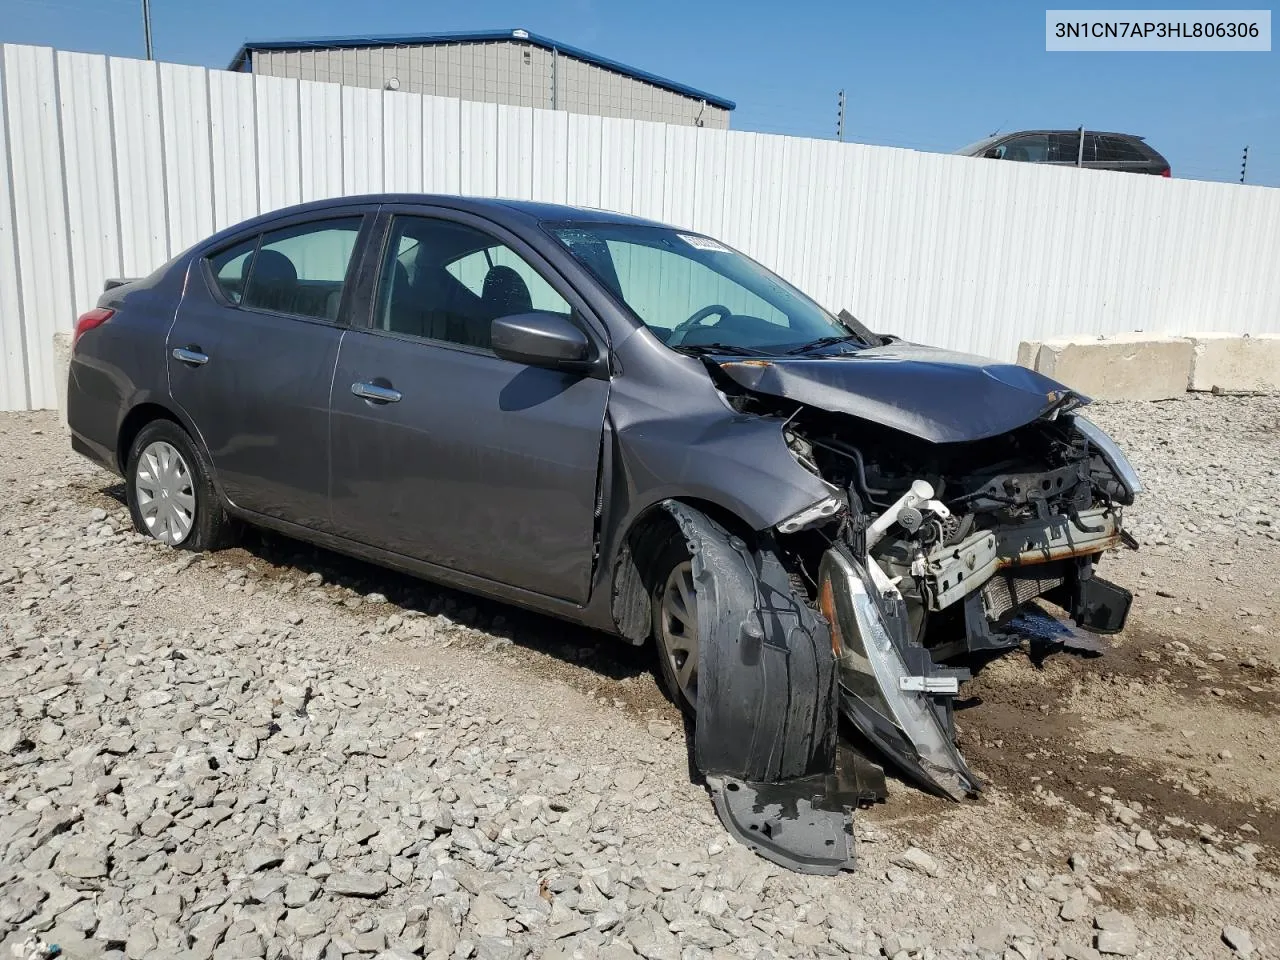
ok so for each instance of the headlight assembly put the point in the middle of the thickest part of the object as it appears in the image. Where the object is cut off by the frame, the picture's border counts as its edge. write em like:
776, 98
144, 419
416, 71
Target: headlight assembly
1110, 452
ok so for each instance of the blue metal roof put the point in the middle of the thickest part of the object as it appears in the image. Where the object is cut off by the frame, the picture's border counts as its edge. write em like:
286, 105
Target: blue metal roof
241, 58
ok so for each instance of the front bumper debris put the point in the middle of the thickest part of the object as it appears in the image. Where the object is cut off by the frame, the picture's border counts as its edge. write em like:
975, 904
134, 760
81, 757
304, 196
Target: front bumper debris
767, 720
889, 688
952, 572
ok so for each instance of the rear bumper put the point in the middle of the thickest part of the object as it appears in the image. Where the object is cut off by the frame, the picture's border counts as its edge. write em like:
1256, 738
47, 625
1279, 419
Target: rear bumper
103, 456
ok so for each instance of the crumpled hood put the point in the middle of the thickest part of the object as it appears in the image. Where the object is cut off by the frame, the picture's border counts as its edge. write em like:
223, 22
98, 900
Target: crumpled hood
934, 394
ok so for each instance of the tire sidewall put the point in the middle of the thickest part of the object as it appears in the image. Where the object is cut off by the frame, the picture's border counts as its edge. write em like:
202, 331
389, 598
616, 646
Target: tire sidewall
208, 508
673, 552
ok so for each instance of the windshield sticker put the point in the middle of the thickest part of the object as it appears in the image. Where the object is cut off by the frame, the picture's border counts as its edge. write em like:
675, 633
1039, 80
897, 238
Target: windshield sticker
703, 243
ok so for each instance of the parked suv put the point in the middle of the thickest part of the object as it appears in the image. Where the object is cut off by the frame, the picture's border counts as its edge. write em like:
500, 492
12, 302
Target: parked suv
1070, 148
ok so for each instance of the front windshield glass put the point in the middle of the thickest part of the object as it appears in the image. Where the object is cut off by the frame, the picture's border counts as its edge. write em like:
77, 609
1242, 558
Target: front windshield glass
978, 148
694, 292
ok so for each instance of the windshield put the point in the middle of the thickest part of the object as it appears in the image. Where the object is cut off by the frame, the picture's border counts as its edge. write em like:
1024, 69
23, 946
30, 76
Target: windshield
979, 148
694, 292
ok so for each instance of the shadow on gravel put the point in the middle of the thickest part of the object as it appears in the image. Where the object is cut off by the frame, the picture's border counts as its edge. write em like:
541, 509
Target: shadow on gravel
561, 649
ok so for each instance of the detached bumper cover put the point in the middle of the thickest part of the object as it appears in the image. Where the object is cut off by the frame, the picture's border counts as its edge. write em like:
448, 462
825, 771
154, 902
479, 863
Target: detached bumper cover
768, 706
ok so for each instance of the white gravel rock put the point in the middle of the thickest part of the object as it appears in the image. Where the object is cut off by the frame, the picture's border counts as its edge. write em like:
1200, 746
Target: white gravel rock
269, 772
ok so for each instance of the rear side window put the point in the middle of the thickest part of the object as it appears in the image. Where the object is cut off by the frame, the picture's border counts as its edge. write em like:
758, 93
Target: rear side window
231, 267
300, 271
1065, 147
1119, 150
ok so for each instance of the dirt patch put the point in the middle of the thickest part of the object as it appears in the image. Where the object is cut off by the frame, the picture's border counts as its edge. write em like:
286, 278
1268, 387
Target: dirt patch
1031, 731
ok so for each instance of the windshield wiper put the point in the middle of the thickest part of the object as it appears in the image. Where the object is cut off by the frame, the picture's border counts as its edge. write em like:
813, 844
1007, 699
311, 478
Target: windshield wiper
858, 333
824, 342
863, 332
703, 348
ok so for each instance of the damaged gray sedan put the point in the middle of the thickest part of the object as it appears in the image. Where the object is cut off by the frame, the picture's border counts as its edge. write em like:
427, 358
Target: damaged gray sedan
636, 428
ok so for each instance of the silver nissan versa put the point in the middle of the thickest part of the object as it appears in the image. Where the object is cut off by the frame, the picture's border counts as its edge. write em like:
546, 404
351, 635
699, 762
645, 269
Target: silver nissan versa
633, 427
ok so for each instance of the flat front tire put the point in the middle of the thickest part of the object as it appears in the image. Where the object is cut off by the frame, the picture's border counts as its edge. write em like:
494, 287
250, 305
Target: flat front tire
171, 497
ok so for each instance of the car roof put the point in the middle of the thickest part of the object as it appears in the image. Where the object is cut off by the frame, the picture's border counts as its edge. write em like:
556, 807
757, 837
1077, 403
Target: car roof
979, 145
501, 210
1071, 132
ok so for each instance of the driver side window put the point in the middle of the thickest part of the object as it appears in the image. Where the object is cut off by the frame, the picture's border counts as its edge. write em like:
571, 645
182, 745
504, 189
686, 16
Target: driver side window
447, 281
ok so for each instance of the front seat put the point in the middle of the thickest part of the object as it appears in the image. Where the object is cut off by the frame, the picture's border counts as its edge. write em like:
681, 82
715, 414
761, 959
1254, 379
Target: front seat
504, 294
271, 281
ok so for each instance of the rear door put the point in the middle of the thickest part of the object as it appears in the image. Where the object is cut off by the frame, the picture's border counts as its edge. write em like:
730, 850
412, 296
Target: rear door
443, 451
251, 355
1066, 148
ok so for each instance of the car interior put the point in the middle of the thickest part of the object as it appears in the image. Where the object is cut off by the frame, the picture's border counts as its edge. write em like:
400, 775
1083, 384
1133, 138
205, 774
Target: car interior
270, 281
427, 296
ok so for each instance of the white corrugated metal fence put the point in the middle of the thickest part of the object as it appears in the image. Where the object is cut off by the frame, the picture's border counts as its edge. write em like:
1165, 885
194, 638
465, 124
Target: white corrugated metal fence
111, 166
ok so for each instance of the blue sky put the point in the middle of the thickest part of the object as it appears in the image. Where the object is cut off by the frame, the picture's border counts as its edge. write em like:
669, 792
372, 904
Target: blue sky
928, 75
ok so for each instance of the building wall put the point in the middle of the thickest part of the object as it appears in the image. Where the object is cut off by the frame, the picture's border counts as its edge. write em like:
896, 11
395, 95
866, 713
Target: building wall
504, 71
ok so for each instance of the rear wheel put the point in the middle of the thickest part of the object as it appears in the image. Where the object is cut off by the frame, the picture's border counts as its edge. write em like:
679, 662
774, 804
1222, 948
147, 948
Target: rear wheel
171, 497
675, 623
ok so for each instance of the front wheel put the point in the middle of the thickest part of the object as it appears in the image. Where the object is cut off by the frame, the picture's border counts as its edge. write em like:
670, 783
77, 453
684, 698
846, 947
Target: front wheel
675, 623
171, 497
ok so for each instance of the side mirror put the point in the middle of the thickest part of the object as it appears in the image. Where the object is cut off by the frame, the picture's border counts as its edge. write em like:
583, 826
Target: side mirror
992, 154
541, 339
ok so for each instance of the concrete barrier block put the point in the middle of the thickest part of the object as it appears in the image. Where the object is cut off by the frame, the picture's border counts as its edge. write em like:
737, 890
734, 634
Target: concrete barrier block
1231, 362
1028, 353
61, 369
1127, 366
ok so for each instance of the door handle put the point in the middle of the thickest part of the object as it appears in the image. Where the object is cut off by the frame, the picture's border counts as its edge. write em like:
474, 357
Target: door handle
375, 393
190, 356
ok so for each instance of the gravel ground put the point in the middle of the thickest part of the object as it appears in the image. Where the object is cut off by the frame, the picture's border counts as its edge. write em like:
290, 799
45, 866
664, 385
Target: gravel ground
278, 752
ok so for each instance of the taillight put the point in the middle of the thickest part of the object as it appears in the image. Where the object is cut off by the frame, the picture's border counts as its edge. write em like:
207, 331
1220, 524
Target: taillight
1167, 172
94, 318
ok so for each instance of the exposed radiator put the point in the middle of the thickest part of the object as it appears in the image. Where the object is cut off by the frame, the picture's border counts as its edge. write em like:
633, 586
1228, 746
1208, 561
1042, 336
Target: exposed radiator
1009, 589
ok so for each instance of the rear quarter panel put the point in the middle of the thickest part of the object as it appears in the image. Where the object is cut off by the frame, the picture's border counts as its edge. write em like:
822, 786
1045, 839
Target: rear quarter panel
121, 364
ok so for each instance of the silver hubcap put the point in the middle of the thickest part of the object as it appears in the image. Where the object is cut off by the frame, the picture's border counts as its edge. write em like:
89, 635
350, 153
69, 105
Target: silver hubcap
166, 497
678, 630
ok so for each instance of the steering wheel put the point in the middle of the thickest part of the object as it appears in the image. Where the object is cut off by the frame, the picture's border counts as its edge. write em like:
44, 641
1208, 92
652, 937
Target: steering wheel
683, 330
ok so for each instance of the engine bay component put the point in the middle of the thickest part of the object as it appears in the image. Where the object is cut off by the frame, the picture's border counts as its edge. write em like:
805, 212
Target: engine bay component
913, 504
1010, 589
950, 573
820, 512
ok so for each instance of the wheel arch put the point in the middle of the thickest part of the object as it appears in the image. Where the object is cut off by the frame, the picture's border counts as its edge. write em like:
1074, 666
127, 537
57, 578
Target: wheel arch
638, 547
139, 415
149, 410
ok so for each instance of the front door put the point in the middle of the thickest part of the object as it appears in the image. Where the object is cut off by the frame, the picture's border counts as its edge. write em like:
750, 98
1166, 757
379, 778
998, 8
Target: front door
446, 453
251, 355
